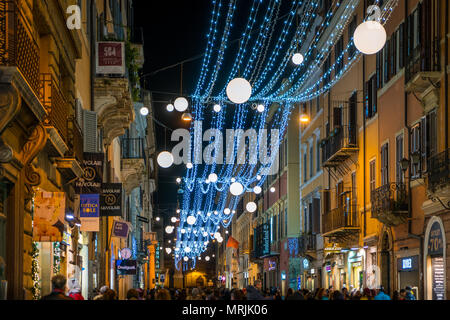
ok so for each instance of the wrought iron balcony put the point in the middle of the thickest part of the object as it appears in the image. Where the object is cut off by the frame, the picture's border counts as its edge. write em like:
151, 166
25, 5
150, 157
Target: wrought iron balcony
18, 46
339, 146
341, 222
390, 204
307, 242
55, 103
423, 66
133, 148
438, 175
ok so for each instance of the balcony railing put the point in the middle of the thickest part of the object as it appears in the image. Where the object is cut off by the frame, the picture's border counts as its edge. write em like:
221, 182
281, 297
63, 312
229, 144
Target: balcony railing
75, 139
390, 203
341, 220
338, 146
17, 44
438, 175
307, 242
55, 103
133, 148
424, 58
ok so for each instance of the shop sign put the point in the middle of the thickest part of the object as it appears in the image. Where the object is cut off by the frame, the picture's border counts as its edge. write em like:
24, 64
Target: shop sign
126, 267
49, 216
299, 283
332, 248
272, 265
91, 182
111, 200
354, 257
66, 238
305, 264
435, 241
438, 285
283, 275
89, 212
110, 57
120, 229
328, 268
408, 264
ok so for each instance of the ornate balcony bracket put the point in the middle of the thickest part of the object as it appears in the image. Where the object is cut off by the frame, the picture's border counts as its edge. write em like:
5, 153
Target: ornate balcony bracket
390, 204
56, 144
133, 173
9, 105
114, 107
69, 168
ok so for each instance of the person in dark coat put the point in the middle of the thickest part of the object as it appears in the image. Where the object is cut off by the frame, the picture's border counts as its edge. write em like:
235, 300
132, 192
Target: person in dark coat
253, 292
58, 289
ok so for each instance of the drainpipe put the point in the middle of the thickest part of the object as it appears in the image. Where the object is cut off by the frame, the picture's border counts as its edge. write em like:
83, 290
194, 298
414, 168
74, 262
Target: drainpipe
446, 75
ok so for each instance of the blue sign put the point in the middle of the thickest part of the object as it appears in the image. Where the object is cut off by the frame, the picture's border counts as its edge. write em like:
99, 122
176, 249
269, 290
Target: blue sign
89, 205
299, 283
408, 263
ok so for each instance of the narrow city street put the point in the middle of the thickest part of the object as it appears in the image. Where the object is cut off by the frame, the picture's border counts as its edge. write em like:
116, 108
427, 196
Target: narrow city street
225, 150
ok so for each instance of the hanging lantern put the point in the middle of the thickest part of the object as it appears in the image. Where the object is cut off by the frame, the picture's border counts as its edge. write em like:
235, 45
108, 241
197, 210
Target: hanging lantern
370, 36
304, 118
251, 207
186, 116
236, 188
239, 90
181, 104
165, 159
297, 58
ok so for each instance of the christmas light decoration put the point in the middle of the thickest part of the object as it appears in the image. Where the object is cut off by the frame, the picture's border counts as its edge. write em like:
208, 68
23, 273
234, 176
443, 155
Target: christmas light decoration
181, 104
251, 207
239, 90
170, 107
165, 159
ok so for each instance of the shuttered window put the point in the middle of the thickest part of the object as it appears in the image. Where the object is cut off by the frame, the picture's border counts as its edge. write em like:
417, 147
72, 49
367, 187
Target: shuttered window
90, 131
399, 156
372, 176
316, 216
385, 164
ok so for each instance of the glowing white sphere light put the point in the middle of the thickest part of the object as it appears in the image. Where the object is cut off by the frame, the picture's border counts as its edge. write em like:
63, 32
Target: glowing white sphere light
257, 190
217, 108
227, 211
369, 37
165, 159
217, 235
251, 207
181, 104
168, 250
169, 229
272, 189
207, 258
258, 177
220, 240
297, 59
144, 111
173, 219
260, 108
191, 220
170, 107
189, 165
239, 90
187, 249
236, 188
213, 177
185, 258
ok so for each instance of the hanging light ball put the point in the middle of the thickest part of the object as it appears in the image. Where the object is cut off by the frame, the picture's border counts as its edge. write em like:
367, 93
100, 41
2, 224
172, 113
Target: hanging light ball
251, 207
181, 104
217, 108
258, 177
178, 210
168, 250
187, 249
239, 90
236, 188
189, 165
169, 229
220, 240
178, 180
185, 258
227, 211
170, 107
369, 37
207, 258
205, 234
165, 159
173, 219
213, 177
272, 189
257, 190
217, 235
260, 108
183, 230
144, 111
191, 220
207, 181
297, 58
157, 218
216, 213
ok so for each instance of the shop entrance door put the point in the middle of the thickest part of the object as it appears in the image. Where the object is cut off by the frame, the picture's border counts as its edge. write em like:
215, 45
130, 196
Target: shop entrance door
386, 265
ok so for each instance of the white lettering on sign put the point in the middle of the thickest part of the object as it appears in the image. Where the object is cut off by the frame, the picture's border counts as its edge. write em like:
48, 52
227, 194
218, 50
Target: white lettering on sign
407, 263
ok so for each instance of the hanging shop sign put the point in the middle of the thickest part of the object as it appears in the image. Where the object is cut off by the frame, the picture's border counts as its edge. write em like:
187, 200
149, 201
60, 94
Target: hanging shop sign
120, 229
332, 248
262, 240
438, 278
408, 264
91, 182
435, 241
126, 267
111, 200
272, 265
89, 212
110, 57
49, 216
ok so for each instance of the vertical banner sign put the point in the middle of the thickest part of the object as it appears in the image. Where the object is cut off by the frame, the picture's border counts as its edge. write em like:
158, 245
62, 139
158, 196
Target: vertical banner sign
120, 229
111, 200
91, 182
110, 57
89, 212
49, 216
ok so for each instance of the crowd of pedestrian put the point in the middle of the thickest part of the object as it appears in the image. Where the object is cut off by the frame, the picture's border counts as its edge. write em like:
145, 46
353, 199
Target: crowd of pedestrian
251, 292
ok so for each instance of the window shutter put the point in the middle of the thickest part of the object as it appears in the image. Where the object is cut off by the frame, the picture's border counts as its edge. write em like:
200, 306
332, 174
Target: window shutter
79, 112
401, 45
89, 131
316, 216
337, 117
423, 144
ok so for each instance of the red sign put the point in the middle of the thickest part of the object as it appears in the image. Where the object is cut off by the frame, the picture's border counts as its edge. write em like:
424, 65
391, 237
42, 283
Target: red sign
111, 57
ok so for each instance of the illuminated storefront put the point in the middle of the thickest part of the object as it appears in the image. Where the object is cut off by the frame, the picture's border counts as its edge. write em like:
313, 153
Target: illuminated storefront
434, 260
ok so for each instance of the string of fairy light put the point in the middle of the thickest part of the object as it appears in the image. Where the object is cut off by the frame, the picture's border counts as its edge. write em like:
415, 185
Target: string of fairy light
279, 67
